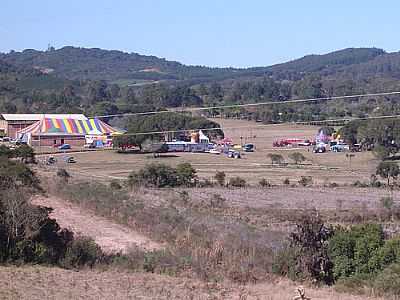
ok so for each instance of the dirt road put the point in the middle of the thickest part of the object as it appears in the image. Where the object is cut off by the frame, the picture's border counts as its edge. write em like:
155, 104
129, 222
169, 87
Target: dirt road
110, 236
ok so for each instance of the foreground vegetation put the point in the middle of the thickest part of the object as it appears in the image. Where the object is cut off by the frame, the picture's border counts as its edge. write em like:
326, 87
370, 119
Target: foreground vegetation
202, 239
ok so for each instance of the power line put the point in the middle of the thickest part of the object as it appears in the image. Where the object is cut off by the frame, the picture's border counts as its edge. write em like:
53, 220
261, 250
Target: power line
263, 125
252, 104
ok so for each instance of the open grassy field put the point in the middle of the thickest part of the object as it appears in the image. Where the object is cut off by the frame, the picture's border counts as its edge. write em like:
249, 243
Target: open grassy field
53, 283
324, 168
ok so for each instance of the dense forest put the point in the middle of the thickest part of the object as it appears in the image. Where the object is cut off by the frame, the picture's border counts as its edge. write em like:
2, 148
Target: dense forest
101, 82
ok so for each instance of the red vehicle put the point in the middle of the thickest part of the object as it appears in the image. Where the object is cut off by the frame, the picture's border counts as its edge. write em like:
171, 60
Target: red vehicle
287, 142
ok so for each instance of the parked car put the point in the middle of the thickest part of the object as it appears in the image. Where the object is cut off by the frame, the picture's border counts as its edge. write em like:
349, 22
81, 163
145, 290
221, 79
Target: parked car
64, 147
305, 143
356, 148
248, 147
340, 148
319, 149
51, 160
214, 151
70, 160
233, 154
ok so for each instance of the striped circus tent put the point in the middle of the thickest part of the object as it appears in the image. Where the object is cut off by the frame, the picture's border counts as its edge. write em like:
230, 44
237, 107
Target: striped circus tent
52, 126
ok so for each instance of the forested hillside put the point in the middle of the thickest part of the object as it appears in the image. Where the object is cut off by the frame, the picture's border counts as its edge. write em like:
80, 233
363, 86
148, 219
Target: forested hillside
99, 82
97, 64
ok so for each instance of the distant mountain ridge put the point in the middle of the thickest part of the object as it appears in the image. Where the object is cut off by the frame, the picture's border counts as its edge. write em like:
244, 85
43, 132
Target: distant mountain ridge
98, 64
75, 63
96, 81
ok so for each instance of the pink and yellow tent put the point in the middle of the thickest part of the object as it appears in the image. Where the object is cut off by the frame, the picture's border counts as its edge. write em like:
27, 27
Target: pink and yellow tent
51, 126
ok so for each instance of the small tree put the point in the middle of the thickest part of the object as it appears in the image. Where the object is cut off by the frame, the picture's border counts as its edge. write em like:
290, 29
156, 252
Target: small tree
220, 177
186, 174
388, 170
297, 157
237, 182
306, 180
264, 183
276, 158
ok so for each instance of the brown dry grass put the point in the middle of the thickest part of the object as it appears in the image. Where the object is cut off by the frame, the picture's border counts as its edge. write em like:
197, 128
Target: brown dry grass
34, 282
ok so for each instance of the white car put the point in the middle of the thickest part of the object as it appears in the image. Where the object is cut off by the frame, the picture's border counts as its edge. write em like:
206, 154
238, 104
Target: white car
214, 151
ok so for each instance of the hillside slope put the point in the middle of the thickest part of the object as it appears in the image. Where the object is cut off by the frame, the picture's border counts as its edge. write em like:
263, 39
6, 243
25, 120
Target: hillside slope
98, 64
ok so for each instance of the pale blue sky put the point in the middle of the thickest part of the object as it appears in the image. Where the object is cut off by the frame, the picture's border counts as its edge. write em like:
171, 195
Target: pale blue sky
203, 32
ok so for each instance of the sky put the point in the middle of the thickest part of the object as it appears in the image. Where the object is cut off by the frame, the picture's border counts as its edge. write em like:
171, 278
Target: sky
222, 33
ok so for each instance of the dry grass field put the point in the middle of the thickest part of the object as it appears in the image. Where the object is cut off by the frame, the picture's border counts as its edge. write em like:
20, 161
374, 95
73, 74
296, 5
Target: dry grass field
33, 282
324, 168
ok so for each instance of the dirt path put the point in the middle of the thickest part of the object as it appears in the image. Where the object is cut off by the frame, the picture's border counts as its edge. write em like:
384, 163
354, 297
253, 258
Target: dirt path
109, 235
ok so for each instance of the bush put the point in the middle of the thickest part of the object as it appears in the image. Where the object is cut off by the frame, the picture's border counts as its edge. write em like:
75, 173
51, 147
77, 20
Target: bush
374, 182
306, 180
388, 170
306, 256
155, 175
360, 184
388, 281
389, 253
264, 183
387, 202
186, 174
286, 181
82, 251
276, 158
237, 182
352, 250
297, 157
220, 177
161, 175
115, 185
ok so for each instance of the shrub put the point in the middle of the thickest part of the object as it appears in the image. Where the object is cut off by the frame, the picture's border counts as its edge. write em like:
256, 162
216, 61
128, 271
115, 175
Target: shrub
237, 182
389, 253
186, 174
264, 183
388, 170
387, 202
307, 255
374, 182
388, 281
155, 175
82, 251
220, 177
115, 185
297, 157
276, 158
351, 250
305, 180
360, 184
